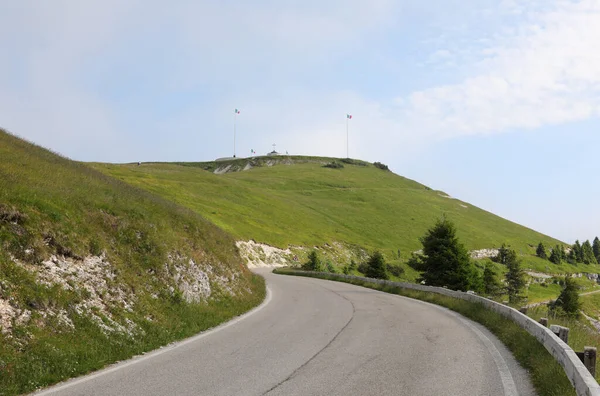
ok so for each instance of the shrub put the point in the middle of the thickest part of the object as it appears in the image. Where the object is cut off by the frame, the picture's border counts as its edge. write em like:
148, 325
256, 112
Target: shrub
313, 263
330, 267
334, 165
381, 166
351, 161
363, 268
395, 270
352, 265
568, 301
541, 251
376, 267
416, 262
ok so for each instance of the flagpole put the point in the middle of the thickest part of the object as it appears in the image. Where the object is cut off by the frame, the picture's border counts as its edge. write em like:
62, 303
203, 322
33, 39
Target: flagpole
234, 121
347, 145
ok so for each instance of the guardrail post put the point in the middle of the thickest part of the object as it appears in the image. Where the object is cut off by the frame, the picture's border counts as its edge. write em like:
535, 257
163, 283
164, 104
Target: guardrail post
544, 322
589, 359
561, 332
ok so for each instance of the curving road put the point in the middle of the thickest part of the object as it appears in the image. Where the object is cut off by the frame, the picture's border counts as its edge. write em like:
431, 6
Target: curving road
315, 337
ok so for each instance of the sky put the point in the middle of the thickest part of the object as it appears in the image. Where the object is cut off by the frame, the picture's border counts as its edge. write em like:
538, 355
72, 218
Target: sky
496, 103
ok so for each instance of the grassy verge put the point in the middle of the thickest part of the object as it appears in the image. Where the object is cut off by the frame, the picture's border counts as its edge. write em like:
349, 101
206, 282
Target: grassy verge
546, 374
581, 334
93, 270
52, 356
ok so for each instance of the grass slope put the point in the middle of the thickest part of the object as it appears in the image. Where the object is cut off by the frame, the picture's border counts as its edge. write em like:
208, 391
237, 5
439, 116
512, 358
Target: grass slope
51, 205
300, 202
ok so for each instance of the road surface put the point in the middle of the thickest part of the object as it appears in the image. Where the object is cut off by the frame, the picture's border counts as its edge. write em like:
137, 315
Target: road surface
316, 337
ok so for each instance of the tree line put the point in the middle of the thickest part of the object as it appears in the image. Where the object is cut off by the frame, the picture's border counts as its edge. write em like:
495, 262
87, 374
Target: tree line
578, 253
445, 262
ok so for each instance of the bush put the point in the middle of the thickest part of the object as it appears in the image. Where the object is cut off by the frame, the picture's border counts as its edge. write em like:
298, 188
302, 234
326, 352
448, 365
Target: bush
416, 262
395, 270
313, 263
381, 166
363, 268
567, 304
352, 265
334, 165
351, 161
330, 267
376, 267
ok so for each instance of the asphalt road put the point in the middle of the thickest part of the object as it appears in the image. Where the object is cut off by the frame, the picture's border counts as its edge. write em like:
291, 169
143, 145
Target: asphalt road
315, 337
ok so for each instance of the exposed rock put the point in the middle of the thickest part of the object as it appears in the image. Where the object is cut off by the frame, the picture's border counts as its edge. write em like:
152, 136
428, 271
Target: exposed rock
484, 253
192, 282
7, 314
261, 255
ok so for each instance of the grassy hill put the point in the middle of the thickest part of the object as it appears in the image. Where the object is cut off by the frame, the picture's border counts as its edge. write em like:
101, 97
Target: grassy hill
93, 270
287, 201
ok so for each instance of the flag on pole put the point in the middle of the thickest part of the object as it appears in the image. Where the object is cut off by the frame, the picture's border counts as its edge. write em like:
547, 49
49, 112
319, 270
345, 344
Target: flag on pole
237, 111
349, 116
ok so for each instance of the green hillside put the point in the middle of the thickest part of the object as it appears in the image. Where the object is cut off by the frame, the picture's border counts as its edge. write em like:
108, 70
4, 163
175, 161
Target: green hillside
286, 201
93, 270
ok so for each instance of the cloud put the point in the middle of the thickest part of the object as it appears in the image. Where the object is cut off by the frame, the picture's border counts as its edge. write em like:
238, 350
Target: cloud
545, 73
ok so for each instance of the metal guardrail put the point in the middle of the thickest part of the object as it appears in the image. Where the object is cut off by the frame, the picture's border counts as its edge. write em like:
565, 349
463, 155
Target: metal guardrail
581, 379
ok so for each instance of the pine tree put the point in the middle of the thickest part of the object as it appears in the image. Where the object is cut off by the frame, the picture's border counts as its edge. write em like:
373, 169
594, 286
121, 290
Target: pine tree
515, 278
578, 251
502, 255
376, 267
541, 251
555, 255
445, 260
563, 253
313, 263
491, 285
588, 253
596, 248
568, 300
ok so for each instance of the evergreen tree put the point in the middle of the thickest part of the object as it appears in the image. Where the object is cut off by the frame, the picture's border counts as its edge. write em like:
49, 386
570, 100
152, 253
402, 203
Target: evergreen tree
596, 248
588, 253
491, 285
515, 278
563, 253
568, 300
445, 261
502, 255
376, 267
313, 263
555, 255
541, 251
578, 252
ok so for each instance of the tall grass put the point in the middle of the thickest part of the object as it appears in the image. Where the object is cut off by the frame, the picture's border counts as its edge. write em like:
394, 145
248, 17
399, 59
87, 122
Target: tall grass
51, 205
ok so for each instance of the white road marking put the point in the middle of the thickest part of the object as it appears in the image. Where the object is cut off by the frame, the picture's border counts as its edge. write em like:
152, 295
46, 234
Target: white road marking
150, 355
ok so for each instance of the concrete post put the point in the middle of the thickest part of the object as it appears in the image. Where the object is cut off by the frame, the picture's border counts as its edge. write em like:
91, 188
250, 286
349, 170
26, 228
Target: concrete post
589, 359
561, 332
544, 322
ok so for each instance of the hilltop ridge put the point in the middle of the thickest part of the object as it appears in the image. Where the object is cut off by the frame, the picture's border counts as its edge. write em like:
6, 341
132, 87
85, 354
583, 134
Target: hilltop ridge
296, 201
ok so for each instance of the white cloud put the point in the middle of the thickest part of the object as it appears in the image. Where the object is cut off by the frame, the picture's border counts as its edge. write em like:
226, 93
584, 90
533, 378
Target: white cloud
546, 73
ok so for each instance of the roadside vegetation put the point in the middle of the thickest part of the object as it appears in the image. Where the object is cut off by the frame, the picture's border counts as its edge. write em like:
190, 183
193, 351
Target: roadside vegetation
93, 270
